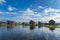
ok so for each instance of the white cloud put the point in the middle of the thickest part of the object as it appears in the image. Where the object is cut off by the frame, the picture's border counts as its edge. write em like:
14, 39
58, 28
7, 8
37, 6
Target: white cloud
31, 15
28, 10
52, 10
8, 13
2, 2
52, 14
10, 8
46, 11
28, 15
39, 7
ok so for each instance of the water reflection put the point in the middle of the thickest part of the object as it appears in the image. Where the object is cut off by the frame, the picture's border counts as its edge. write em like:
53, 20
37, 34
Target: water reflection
31, 27
10, 27
51, 27
25, 33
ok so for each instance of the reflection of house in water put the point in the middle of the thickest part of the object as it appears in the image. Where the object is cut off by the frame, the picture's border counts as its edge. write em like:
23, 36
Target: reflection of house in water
31, 28
10, 24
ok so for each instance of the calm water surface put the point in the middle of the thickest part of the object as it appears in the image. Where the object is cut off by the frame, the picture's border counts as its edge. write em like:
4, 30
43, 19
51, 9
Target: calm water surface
26, 33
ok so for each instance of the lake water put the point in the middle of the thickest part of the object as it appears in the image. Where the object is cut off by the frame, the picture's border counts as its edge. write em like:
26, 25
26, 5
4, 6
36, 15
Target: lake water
26, 33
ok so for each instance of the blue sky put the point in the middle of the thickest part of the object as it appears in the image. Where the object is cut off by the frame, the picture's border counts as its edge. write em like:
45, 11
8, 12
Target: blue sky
26, 10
